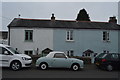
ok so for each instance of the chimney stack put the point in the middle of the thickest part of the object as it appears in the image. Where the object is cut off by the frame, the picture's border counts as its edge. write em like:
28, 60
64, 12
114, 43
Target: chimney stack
53, 17
113, 19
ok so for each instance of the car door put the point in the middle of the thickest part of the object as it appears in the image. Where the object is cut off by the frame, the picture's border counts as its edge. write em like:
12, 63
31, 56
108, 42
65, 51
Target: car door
0, 56
6, 56
60, 60
115, 60
119, 61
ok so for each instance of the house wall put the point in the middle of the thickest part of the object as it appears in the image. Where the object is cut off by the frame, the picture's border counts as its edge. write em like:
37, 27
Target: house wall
42, 39
119, 12
55, 39
84, 40
119, 24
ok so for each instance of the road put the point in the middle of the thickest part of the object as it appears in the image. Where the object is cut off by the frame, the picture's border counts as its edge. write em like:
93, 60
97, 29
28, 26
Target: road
89, 71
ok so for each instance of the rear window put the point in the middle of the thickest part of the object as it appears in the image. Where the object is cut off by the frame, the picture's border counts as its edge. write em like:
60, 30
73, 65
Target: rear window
102, 55
114, 56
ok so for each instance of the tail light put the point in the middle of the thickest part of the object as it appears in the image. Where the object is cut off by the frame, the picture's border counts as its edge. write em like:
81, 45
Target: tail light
103, 60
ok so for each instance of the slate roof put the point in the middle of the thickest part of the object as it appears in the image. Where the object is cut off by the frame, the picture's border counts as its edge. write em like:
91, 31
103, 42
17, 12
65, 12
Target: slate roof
40, 23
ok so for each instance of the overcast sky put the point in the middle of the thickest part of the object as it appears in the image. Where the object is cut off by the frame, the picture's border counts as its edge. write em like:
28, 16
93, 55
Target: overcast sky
98, 11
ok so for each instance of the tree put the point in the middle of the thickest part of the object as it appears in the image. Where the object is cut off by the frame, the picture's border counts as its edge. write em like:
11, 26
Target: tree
83, 16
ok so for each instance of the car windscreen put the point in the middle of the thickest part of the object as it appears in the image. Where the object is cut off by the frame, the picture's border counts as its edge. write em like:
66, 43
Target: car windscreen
13, 50
102, 55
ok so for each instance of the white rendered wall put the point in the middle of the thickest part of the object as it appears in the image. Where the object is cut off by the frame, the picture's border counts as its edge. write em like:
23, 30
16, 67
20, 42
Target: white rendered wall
42, 39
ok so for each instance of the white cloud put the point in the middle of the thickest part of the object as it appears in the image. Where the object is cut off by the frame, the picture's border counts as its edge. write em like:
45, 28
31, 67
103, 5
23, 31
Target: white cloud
98, 11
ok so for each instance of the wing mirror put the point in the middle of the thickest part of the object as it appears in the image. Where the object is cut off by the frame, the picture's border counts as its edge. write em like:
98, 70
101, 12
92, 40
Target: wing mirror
6, 52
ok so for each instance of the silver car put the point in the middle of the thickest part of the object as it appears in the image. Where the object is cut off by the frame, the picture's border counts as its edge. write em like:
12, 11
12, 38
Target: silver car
58, 59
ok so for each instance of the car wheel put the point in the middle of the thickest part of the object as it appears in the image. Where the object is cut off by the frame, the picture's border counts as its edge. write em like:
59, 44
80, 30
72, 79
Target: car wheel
75, 67
109, 67
15, 65
43, 66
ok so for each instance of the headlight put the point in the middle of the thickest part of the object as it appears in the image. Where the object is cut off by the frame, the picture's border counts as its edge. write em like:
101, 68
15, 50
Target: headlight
24, 58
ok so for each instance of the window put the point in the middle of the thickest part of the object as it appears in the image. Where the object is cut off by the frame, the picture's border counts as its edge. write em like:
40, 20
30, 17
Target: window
87, 55
105, 36
29, 52
59, 55
28, 35
13, 50
2, 51
102, 55
70, 53
105, 51
114, 56
69, 35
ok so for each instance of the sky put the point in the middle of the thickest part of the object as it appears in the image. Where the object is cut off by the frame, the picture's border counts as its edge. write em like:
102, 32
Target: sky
98, 11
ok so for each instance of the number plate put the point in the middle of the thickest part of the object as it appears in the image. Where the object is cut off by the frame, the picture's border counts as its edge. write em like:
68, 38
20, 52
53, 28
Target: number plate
97, 63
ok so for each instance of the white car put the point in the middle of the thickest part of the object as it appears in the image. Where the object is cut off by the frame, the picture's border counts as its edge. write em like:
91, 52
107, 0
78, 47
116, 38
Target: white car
13, 59
59, 60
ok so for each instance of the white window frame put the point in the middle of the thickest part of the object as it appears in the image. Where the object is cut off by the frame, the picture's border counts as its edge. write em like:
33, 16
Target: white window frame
70, 52
105, 51
69, 35
29, 35
29, 52
106, 36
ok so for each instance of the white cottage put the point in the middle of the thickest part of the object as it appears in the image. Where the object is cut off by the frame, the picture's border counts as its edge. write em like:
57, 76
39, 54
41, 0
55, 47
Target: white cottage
32, 36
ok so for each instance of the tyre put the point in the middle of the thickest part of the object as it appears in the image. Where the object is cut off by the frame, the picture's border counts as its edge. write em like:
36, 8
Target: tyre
43, 66
15, 65
75, 67
109, 67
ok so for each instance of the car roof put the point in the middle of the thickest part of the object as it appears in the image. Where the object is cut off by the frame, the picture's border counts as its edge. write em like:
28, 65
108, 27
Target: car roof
51, 54
4, 45
110, 53
57, 52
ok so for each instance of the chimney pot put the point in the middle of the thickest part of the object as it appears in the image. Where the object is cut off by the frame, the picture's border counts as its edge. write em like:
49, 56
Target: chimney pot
53, 17
113, 19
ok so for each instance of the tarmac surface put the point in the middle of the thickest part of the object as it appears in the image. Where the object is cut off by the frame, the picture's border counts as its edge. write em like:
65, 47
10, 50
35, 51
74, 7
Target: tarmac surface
89, 71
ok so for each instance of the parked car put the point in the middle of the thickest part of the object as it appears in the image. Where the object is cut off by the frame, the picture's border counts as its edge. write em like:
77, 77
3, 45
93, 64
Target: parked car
58, 59
13, 59
108, 61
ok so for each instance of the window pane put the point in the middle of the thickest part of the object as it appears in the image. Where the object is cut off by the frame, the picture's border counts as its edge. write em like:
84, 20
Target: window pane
114, 56
26, 52
67, 53
108, 36
67, 35
72, 53
104, 35
59, 55
30, 52
26, 35
31, 35
71, 35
